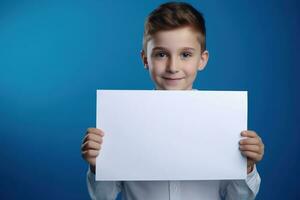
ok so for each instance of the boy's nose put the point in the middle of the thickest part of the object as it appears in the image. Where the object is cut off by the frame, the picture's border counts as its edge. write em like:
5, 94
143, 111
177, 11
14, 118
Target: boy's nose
172, 66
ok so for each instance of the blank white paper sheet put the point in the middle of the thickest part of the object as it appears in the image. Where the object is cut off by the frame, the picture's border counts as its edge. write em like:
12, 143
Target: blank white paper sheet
171, 135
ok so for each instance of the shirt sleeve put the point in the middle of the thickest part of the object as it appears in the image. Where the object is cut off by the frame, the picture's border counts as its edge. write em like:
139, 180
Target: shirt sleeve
241, 189
102, 190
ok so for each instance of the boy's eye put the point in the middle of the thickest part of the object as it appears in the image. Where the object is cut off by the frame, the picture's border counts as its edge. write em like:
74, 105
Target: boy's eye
160, 54
185, 55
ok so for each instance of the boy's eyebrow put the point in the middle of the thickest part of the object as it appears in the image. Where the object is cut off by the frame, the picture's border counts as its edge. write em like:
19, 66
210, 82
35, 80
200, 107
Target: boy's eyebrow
165, 49
188, 48
159, 48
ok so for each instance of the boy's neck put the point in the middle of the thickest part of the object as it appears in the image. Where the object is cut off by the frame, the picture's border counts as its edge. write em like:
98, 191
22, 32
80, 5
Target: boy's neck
188, 89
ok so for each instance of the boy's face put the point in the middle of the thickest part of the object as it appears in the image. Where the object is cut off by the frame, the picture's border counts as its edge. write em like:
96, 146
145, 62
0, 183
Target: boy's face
173, 58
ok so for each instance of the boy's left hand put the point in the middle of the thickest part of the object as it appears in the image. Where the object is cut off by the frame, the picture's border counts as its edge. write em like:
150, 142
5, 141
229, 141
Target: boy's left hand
252, 147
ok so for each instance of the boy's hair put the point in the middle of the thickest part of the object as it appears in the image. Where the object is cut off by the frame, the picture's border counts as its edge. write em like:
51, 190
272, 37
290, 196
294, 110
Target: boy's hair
172, 15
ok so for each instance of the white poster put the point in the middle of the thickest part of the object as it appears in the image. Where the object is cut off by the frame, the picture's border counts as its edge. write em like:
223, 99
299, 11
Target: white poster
171, 135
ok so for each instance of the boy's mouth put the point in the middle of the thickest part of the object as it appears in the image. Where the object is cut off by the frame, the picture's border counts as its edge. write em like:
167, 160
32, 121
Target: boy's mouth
171, 78
172, 81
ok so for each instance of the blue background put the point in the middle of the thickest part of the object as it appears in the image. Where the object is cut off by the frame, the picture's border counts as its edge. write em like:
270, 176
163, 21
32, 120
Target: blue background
55, 54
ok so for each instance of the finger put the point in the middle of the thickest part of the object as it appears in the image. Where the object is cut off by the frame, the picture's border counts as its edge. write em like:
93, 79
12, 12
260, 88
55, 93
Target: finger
95, 130
253, 148
252, 155
93, 137
90, 145
250, 134
249, 141
90, 153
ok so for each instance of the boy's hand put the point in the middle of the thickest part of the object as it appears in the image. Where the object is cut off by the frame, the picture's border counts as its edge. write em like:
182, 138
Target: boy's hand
252, 147
91, 145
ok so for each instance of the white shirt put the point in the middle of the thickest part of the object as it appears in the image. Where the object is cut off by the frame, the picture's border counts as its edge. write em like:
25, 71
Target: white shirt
175, 190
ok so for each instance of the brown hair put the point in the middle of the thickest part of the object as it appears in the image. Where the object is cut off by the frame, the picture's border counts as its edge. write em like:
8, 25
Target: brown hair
172, 15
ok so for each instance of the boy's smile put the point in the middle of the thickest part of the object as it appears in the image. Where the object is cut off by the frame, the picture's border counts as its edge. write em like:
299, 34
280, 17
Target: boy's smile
173, 58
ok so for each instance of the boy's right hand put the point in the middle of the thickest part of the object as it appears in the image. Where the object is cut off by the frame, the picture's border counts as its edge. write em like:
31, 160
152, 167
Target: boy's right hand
91, 145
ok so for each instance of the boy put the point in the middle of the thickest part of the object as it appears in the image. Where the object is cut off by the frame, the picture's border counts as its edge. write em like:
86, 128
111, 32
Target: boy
173, 51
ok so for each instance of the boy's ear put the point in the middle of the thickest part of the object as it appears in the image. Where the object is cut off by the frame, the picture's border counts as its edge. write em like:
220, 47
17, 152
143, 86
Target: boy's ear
144, 59
203, 60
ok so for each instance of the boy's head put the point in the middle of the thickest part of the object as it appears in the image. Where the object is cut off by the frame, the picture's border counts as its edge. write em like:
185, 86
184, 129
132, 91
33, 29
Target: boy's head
174, 46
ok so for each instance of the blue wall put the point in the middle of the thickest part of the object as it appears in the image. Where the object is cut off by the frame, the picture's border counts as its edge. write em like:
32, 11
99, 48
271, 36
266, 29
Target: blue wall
55, 54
